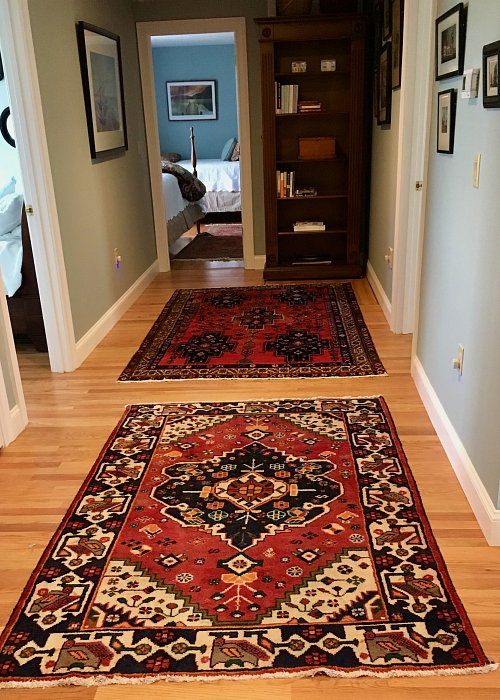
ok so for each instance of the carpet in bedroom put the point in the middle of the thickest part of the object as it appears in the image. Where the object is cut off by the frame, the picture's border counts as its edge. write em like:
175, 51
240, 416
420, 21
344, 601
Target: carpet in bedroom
215, 242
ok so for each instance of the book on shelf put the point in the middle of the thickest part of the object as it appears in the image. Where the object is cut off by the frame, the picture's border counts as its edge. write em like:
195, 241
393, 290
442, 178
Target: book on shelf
309, 226
285, 183
286, 98
310, 106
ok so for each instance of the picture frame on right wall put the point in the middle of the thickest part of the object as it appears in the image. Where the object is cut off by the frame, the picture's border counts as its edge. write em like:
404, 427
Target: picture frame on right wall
491, 59
447, 105
450, 42
384, 86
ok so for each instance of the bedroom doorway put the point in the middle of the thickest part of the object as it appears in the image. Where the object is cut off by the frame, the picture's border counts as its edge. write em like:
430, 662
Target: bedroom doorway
179, 32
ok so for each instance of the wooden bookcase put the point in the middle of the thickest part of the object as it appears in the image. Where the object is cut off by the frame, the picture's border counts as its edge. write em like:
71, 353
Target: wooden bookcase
339, 181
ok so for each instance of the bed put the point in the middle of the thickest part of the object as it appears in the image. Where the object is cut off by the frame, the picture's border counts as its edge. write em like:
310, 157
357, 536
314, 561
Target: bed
181, 213
18, 271
222, 181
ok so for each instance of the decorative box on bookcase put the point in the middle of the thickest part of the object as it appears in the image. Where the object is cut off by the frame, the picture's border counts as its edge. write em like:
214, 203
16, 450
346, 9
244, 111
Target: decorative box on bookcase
315, 137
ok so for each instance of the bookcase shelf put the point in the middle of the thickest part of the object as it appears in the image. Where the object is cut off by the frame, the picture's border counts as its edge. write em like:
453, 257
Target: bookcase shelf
341, 182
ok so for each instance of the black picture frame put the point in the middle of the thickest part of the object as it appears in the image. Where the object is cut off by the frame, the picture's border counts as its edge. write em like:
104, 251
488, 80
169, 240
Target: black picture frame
450, 43
447, 106
491, 60
102, 81
189, 100
386, 20
397, 42
2, 74
384, 86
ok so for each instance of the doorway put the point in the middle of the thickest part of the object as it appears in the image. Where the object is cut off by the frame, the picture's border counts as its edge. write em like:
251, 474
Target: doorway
145, 32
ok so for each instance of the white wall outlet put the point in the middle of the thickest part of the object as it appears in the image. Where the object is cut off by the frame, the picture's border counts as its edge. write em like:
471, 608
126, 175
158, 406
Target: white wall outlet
458, 361
388, 257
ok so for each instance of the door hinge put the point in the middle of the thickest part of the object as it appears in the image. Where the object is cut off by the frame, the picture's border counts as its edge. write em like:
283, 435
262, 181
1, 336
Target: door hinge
29, 209
419, 185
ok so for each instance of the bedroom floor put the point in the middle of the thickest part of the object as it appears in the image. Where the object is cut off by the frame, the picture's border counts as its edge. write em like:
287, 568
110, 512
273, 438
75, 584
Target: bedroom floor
224, 246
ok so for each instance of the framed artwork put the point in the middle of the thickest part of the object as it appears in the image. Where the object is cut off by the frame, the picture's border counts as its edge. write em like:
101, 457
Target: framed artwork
102, 80
191, 99
447, 104
384, 86
397, 42
450, 43
1, 68
491, 56
386, 19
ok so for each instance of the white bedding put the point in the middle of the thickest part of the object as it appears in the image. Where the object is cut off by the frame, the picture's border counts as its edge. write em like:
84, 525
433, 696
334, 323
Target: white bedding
181, 214
11, 259
216, 175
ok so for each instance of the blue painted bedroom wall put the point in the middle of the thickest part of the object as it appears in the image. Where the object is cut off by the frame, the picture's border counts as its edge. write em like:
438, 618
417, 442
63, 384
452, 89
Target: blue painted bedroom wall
197, 63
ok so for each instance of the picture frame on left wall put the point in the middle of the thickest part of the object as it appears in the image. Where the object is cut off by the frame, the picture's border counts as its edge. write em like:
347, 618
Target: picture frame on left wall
102, 81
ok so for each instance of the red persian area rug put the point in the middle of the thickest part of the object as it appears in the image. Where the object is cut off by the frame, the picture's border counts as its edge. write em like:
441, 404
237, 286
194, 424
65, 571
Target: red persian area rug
238, 540
260, 332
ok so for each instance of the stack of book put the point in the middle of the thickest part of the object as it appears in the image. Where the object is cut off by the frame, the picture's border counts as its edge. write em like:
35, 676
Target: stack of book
286, 98
310, 106
309, 226
285, 183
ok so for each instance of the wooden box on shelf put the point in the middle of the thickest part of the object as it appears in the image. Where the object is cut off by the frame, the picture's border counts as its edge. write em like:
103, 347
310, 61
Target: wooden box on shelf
316, 147
324, 143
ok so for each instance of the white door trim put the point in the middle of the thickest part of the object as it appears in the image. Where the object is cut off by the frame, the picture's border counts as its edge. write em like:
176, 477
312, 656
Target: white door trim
413, 148
24, 93
145, 30
13, 416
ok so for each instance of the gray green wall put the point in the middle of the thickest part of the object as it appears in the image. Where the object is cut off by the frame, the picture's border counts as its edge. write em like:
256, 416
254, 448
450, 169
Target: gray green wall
383, 194
460, 288
101, 205
167, 10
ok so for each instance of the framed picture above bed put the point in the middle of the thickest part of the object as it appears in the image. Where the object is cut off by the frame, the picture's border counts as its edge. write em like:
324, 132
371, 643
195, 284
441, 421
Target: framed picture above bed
102, 80
191, 99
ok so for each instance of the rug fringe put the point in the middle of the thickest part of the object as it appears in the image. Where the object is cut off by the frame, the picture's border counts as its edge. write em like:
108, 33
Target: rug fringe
221, 675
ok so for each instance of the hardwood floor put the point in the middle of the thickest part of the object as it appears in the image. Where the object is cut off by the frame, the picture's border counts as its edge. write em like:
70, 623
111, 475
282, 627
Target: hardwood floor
71, 416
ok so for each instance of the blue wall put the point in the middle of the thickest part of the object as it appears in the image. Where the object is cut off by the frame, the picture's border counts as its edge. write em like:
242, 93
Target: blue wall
197, 63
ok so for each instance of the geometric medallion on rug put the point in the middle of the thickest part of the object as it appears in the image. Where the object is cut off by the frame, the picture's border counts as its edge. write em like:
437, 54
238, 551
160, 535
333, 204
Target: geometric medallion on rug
242, 539
270, 331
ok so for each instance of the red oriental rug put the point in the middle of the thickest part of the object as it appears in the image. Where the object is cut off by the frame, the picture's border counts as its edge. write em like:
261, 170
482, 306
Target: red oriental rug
239, 540
260, 332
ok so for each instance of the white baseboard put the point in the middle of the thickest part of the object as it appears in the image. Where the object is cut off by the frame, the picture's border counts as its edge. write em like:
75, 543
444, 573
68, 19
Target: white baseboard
99, 330
379, 292
487, 515
258, 263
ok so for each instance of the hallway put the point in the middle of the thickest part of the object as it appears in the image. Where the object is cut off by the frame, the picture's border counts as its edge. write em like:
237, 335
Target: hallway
71, 415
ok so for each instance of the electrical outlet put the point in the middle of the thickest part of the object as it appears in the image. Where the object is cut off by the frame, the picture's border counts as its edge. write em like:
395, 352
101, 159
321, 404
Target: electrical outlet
458, 361
118, 258
388, 257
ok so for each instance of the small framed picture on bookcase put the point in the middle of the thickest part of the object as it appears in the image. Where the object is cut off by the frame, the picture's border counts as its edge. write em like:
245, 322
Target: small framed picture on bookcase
384, 86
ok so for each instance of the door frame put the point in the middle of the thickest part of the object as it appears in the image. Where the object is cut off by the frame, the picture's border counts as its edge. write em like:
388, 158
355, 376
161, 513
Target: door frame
237, 25
31, 142
417, 82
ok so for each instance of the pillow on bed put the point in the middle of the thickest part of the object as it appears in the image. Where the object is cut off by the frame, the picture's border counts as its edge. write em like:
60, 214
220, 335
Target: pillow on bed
228, 149
8, 188
235, 155
11, 207
191, 188
170, 158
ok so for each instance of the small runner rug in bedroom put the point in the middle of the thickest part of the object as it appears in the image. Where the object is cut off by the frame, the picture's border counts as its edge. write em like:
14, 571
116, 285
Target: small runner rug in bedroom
236, 540
259, 332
